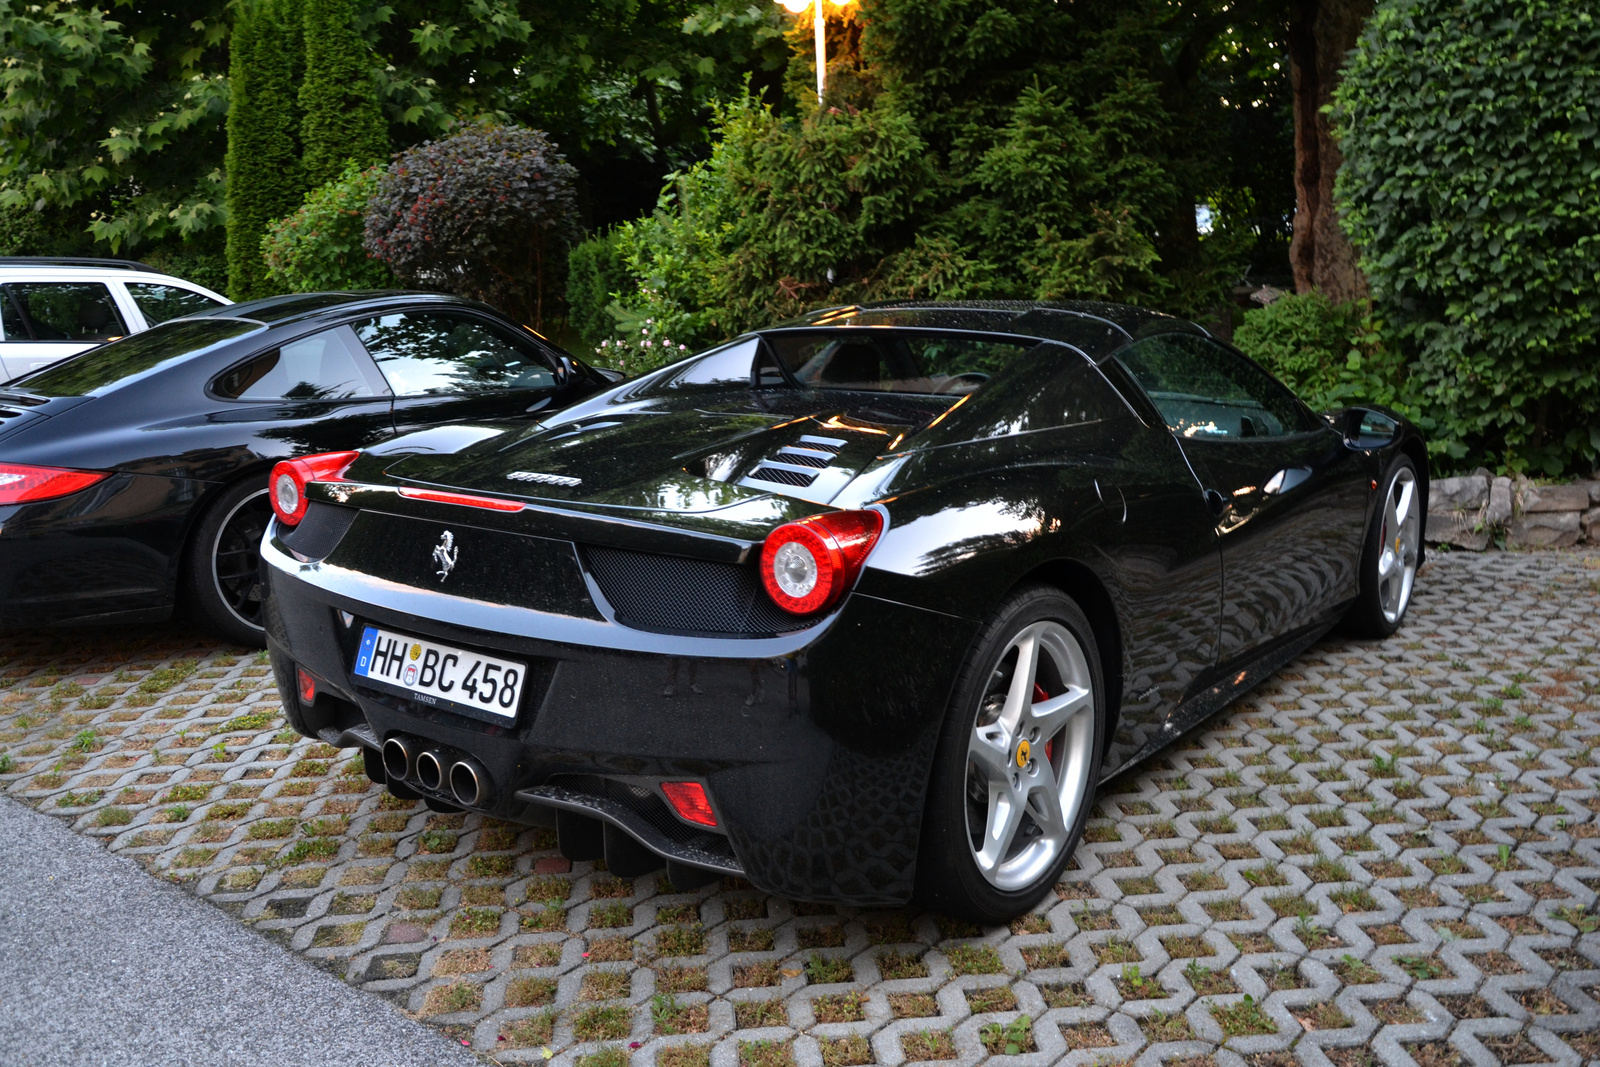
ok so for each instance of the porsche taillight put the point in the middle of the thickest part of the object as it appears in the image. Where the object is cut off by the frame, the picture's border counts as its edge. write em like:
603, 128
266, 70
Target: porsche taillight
23, 484
808, 565
290, 477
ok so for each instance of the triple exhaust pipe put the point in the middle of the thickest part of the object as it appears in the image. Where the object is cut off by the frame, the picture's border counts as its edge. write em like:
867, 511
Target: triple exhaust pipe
461, 776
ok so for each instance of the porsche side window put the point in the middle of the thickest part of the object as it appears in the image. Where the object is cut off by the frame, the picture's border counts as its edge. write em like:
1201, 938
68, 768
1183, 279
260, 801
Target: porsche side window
66, 311
430, 354
893, 364
324, 366
162, 302
1202, 390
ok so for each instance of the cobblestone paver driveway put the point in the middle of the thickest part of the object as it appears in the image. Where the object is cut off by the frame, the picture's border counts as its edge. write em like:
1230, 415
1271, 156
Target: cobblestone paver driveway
1388, 853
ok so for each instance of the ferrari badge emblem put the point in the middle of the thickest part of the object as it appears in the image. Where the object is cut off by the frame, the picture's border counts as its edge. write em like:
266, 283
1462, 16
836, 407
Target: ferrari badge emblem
1024, 751
444, 554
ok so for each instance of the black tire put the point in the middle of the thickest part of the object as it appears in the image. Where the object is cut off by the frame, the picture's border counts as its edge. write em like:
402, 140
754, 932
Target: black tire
949, 876
1370, 616
222, 580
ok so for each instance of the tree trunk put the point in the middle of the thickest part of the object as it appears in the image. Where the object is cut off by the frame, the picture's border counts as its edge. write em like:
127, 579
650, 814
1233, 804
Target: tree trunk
1321, 33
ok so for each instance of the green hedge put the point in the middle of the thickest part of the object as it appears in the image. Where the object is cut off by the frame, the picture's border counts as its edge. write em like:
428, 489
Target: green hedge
319, 247
1471, 186
596, 273
1331, 354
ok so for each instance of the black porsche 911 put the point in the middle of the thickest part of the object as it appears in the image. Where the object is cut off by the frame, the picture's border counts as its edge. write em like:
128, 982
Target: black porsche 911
859, 607
133, 477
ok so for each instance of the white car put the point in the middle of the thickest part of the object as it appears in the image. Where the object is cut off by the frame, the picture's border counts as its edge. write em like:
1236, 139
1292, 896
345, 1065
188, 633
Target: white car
52, 308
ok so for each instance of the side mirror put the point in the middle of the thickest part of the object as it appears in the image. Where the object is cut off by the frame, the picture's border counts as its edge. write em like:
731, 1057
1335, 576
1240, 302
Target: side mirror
1364, 428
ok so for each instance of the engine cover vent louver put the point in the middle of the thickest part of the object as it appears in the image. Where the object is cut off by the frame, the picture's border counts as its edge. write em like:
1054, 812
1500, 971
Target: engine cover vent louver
783, 476
804, 459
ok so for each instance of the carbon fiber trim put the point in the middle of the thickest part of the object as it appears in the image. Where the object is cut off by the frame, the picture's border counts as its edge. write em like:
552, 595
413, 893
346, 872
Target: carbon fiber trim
672, 594
319, 532
713, 853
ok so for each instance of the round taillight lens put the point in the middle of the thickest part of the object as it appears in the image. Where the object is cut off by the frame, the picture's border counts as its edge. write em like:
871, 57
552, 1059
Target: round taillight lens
808, 565
287, 483
288, 494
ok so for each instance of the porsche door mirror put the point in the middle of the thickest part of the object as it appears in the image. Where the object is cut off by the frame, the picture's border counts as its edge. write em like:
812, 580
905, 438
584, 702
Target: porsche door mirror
1365, 428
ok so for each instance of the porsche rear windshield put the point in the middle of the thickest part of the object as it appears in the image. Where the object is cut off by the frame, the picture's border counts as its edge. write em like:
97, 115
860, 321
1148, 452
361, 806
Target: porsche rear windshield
100, 368
890, 361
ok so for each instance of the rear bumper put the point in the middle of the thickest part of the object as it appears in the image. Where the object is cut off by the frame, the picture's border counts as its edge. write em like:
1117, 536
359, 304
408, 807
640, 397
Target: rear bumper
814, 746
107, 553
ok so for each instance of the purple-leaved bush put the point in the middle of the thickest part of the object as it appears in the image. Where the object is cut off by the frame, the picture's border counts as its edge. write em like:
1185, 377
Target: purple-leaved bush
483, 214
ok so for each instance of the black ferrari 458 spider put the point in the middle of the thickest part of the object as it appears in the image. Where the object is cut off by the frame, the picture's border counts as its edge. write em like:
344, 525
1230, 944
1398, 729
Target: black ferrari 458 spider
859, 607
133, 477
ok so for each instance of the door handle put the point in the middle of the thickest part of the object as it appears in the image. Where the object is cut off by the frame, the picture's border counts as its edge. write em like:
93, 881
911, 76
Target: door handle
1113, 500
1216, 502
1285, 480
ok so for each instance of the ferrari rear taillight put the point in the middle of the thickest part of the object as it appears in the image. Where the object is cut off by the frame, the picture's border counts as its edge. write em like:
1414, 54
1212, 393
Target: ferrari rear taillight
689, 800
21, 484
306, 684
808, 565
290, 478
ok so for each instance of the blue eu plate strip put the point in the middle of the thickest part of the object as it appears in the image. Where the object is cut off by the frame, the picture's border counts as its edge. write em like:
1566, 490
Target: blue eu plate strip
369, 637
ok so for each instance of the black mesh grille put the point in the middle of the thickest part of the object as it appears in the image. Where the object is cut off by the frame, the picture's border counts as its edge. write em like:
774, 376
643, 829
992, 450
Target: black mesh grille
786, 477
320, 531
671, 594
647, 804
802, 459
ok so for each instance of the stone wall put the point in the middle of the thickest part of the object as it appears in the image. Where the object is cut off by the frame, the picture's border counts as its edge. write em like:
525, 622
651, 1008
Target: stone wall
1468, 511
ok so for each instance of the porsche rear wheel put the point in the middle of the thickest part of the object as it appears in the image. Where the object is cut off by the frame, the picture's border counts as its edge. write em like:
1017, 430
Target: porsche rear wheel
222, 583
1390, 556
1017, 762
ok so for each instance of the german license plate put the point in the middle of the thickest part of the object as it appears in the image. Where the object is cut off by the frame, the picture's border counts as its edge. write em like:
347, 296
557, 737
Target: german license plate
441, 674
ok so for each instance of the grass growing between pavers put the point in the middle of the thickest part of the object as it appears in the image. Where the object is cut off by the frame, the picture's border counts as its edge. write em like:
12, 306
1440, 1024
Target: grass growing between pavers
1452, 767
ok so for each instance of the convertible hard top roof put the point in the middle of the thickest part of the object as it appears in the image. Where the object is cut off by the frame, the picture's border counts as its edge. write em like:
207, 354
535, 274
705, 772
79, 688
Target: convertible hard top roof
1097, 329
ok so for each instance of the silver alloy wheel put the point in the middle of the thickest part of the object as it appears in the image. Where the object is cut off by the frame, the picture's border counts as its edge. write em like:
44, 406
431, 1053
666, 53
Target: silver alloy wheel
1397, 545
1029, 756
236, 558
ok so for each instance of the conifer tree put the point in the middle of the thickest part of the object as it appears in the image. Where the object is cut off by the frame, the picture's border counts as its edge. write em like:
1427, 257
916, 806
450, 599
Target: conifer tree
265, 178
343, 122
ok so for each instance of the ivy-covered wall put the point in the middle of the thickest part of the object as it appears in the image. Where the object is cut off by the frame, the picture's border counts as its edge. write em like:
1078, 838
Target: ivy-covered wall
1471, 187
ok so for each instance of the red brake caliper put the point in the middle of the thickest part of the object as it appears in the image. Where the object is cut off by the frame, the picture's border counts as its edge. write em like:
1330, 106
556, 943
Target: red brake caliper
1039, 697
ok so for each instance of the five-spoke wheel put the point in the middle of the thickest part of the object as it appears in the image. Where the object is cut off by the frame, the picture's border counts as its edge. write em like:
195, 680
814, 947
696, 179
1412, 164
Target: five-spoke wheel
1399, 537
1390, 555
1028, 755
1017, 761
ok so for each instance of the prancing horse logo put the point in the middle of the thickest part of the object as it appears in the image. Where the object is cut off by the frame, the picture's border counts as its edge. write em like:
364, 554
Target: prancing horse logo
445, 553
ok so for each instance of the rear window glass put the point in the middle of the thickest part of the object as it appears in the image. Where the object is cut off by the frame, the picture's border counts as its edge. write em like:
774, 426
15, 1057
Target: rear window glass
101, 368
895, 362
